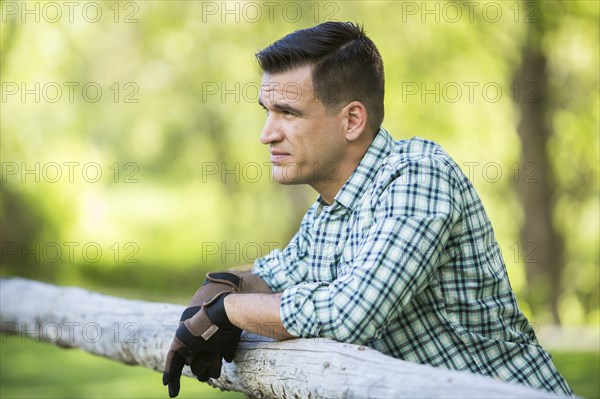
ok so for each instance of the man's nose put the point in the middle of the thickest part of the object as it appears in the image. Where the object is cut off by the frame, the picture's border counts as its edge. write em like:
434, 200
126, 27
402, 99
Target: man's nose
271, 131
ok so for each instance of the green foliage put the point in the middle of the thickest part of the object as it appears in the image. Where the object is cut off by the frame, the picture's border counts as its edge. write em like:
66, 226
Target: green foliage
184, 185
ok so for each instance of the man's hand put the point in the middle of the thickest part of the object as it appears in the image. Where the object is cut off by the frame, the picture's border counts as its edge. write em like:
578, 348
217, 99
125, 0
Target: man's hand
205, 334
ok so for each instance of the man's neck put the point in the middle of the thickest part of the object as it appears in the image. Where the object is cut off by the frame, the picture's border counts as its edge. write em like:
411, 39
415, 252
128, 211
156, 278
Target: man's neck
335, 177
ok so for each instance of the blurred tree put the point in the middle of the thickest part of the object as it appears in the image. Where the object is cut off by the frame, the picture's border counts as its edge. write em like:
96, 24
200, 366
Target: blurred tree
541, 245
543, 86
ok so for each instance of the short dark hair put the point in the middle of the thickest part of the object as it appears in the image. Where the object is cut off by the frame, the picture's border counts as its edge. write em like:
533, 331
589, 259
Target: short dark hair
347, 65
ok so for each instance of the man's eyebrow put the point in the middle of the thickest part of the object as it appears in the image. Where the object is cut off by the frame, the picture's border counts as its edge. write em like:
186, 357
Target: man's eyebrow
281, 107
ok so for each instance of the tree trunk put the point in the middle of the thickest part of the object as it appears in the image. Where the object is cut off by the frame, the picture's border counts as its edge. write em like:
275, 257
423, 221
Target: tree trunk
541, 246
136, 332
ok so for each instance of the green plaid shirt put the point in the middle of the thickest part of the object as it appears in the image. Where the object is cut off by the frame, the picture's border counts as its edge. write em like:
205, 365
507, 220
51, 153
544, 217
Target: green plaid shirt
405, 261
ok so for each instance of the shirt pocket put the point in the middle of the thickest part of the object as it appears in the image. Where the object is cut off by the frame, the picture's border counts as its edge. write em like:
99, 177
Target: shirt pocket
325, 257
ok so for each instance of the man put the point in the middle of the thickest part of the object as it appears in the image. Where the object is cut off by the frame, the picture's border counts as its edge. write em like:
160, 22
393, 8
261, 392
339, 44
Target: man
397, 253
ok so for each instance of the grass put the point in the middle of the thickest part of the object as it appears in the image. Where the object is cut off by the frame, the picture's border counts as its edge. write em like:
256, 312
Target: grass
39, 370
581, 370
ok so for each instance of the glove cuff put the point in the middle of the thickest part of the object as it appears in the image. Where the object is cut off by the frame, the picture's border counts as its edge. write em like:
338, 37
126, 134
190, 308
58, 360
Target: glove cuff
183, 333
218, 315
189, 312
224, 278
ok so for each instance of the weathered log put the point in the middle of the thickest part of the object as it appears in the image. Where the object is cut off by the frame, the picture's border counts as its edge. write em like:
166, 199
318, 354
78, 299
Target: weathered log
137, 332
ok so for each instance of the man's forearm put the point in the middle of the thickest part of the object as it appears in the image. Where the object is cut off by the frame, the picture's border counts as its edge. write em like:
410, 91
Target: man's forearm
257, 313
256, 308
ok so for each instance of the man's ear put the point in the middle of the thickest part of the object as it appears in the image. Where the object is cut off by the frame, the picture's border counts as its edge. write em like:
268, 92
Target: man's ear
356, 118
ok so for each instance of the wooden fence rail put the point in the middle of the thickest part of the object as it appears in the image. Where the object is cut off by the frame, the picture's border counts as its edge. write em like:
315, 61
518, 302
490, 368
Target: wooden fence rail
137, 332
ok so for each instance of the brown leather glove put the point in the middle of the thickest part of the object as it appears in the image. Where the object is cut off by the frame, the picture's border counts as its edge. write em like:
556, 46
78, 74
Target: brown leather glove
205, 334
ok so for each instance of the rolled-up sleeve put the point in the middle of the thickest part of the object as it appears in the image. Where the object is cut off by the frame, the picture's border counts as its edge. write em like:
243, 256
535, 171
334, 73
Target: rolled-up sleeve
396, 258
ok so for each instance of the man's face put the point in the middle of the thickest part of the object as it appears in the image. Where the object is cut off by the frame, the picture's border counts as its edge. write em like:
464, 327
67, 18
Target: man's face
306, 140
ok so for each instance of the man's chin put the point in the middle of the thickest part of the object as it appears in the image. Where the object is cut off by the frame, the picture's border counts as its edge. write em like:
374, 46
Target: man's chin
284, 180
287, 174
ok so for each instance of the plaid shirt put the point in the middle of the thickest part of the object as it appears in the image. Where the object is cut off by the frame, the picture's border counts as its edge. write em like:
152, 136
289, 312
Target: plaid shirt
405, 261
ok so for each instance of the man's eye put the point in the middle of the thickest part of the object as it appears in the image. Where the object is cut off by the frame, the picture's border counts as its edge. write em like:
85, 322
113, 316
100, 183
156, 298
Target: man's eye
287, 113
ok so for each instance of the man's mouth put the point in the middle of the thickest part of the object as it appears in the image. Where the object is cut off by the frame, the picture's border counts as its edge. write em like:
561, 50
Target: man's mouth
278, 156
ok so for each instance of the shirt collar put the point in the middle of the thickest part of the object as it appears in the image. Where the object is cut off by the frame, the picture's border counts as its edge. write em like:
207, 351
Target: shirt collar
354, 188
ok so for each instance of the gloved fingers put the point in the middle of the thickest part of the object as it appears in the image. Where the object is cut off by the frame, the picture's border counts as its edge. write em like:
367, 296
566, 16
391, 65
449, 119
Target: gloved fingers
202, 365
176, 345
215, 368
167, 367
231, 346
172, 375
168, 364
